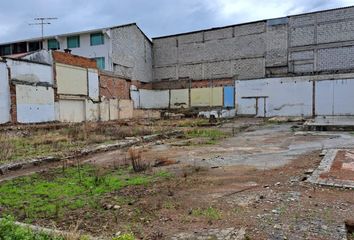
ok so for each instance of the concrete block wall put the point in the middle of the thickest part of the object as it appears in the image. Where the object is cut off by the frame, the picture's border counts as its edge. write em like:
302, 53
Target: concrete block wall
322, 42
237, 51
314, 43
131, 53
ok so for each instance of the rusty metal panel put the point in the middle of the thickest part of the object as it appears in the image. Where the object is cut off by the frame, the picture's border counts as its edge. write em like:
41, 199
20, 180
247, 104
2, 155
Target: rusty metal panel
34, 104
179, 98
71, 80
4, 94
72, 110
93, 84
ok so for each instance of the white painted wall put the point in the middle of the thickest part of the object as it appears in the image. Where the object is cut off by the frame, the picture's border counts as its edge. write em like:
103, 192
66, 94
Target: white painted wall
335, 97
154, 99
86, 50
92, 111
285, 96
72, 110
30, 72
135, 96
93, 84
4, 94
35, 104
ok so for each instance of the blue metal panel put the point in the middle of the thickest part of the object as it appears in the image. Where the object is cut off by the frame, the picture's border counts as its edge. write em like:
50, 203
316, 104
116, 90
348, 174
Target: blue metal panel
229, 96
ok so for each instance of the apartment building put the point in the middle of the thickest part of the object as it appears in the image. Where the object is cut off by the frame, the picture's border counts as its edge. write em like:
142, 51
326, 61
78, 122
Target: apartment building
124, 50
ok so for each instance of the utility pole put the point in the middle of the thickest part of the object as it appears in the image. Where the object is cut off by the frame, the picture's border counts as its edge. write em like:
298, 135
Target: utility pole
43, 21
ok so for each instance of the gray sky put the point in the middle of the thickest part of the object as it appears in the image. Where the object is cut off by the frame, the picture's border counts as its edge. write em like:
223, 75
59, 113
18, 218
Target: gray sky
155, 17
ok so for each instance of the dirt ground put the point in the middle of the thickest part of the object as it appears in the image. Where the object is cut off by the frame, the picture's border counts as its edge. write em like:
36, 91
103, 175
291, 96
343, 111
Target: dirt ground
254, 179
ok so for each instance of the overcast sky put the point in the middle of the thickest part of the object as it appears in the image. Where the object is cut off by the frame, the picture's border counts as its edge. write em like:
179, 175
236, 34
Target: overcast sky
155, 17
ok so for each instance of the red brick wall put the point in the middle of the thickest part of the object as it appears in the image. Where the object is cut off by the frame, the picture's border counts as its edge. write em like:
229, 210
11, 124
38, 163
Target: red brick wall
74, 60
181, 84
112, 86
13, 104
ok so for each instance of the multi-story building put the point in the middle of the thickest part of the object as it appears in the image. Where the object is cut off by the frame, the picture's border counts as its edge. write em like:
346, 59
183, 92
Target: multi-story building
123, 49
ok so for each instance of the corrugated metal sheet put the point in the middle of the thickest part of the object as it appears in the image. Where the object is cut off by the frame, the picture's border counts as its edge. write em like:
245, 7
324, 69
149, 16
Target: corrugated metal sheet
179, 98
335, 97
72, 110
229, 96
71, 80
34, 104
154, 99
4, 94
93, 83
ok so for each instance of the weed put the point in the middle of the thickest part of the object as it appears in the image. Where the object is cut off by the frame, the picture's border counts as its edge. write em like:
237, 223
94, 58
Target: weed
52, 194
210, 213
6, 148
210, 135
135, 158
126, 236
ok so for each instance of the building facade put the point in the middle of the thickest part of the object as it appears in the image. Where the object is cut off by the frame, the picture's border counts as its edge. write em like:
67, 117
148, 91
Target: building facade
124, 49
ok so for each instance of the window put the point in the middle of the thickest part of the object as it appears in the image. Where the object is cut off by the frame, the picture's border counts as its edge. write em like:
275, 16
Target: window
73, 41
96, 39
5, 50
34, 46
100, 62
53, 44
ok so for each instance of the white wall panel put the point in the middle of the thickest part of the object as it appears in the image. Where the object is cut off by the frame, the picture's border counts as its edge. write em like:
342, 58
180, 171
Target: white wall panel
4, 94
151, 99
35, 104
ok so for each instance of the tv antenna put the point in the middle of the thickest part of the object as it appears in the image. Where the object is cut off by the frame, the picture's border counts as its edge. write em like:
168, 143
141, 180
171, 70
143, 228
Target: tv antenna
43, 21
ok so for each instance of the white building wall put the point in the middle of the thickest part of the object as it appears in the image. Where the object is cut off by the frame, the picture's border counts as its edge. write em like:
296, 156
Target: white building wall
35, 104
86, 50
30, 72
283, 96
4, 94
154, 99
335, 97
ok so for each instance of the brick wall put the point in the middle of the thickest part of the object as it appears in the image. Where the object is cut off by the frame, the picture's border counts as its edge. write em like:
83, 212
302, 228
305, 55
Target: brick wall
183, 84
13, 103
74, 60
113, 86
